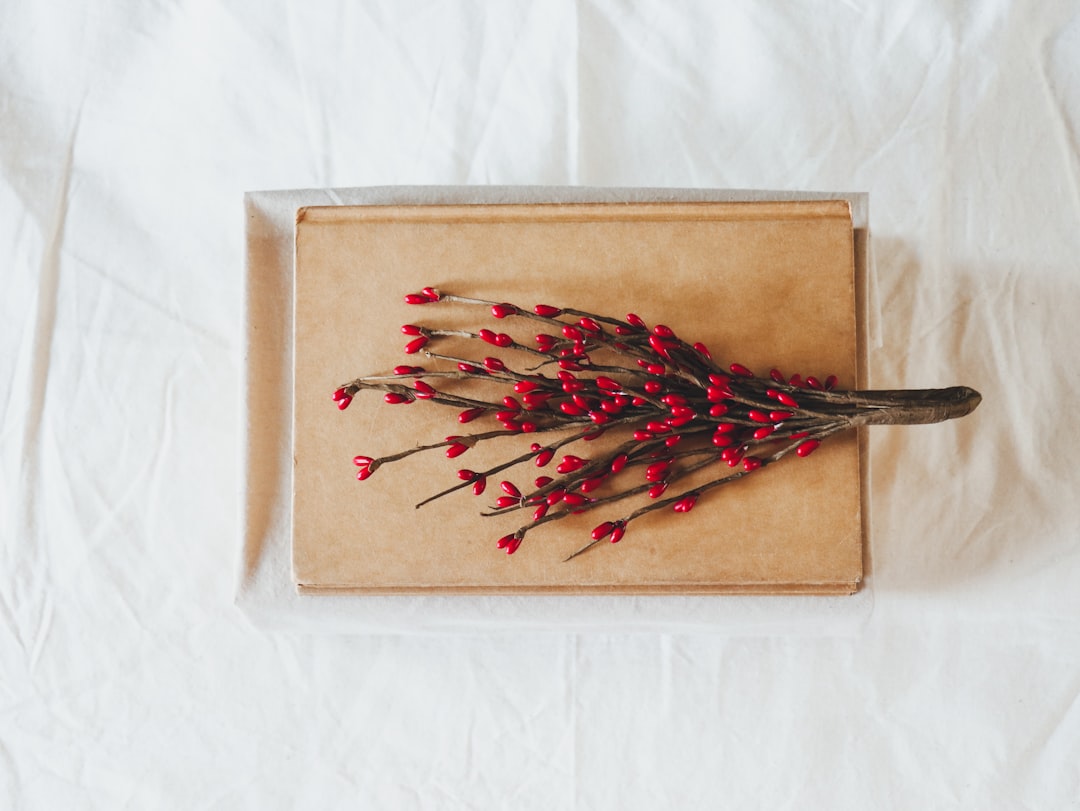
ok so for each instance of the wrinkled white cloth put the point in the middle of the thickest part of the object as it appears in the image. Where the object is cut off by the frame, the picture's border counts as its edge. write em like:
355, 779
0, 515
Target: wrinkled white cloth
128, 135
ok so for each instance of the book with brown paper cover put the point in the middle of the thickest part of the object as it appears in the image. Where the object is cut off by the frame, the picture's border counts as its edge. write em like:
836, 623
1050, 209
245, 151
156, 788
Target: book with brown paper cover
761, 283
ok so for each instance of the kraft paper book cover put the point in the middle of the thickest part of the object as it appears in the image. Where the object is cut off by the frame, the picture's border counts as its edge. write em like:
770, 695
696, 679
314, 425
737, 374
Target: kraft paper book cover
767, 284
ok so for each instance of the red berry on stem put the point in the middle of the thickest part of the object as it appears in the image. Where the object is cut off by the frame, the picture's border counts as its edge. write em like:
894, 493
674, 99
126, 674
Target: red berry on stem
703, 350
618, 532
569, 464
718, 410
510, 489
513, 545
362, 461
653, 387
830, 382
662, 331
343, 403
423, 390
547, 311
787, 399
502, 502
589, 325
635, 320
657, 489
751, 463
479, 486
740, 370
455, 450
764, 431
417, 298
340, 394
411, 329
603, 530
469, 414
544, 457
393, 398
540, 512
807, 447
685, 504
503, 310
619, 462
415, 345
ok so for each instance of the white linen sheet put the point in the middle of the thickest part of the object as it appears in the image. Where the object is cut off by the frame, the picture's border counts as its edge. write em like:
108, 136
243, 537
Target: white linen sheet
129, 675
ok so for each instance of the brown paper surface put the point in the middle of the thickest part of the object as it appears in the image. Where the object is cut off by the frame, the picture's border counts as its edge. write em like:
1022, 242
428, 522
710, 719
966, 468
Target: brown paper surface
764, 284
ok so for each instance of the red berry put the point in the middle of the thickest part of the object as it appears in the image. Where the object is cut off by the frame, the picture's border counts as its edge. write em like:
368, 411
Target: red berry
764, 431
685, 504
740, 370
343, 403
487, 336
502, 502
503, 310
393, 398
469, 414
618, 532
751, 463
408, 370
718, 410
776, 375
703, 350
830, 382
417, 298
544, 457
513, 545
455, 450
574, 499
363, 473
411, 329
814, 383
608, 384
525, 386
510, 489
569, 464
780, 416
589, 325
657, 489
603, 530
339, 394
642, 436
787, 399
479, 486
653, 387
547, 311
540, 512
635, 321
758, 416
415, 345
362, 461
494, 365
423, 390
721, 440
662, 331
619, 462
807, 447
591, 484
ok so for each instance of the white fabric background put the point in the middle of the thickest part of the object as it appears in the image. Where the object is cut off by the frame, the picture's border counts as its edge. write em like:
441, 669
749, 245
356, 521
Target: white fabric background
128, 134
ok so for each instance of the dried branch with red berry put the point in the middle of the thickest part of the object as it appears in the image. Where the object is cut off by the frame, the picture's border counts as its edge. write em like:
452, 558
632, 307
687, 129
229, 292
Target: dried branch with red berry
677, 411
